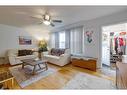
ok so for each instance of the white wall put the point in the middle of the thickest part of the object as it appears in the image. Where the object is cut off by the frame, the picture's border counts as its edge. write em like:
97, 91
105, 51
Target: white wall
94, 49
9, 37
97, 24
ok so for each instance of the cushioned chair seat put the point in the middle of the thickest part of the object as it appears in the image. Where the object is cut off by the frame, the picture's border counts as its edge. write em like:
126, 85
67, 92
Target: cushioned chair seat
25, 57
61, 60
51, 56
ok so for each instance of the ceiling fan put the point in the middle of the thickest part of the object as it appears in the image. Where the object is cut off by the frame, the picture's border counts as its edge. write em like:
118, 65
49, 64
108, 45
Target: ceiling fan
47, 20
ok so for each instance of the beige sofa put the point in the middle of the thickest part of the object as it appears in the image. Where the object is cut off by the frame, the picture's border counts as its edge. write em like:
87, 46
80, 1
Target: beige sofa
15, 59
60, 60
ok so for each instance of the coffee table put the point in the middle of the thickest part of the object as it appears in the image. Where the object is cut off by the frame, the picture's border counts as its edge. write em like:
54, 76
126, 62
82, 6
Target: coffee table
35, 63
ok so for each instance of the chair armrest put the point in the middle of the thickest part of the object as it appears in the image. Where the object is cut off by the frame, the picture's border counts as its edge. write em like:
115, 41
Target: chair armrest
63, 55
12, 55
64, 59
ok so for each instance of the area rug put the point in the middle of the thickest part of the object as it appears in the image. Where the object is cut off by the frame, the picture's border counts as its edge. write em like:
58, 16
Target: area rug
24, 76
86, 81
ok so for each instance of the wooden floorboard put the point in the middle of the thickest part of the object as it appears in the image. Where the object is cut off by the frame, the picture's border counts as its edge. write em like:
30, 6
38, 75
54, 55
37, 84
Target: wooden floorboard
58, 79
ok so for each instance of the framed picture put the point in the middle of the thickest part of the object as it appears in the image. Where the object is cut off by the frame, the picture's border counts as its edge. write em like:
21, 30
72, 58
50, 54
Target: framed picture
25, 40
89, 36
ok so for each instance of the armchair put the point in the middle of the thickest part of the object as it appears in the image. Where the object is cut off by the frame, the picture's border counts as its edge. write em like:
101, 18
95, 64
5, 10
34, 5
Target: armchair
57, 59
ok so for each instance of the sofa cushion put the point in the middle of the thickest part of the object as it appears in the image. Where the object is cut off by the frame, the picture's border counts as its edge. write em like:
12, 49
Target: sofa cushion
62, 51
29, 52
57, 52
51, 56
24, 52
53, 51
26, 57
21, 52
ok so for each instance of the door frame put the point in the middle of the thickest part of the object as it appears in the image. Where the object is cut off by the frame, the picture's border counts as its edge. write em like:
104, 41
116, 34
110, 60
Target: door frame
102, 46
101, 37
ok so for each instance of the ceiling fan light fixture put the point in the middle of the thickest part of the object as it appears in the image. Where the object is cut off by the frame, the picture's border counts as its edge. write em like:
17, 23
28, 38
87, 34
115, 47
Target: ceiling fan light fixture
46, 22
46, 19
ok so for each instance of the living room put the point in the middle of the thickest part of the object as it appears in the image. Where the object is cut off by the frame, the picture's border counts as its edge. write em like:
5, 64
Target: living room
56, 47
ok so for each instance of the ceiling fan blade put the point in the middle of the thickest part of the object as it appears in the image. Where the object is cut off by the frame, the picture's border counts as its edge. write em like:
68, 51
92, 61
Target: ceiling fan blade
59, 21
52, 24
40, 22
36, 17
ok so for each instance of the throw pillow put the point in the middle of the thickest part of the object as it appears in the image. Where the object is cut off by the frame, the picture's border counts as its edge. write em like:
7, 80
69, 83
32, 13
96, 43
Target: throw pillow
29, 52
21, 52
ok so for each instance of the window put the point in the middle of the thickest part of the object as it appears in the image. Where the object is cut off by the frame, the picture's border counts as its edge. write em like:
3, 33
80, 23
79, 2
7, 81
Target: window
52, 40
76, 41
71, 38
61, 39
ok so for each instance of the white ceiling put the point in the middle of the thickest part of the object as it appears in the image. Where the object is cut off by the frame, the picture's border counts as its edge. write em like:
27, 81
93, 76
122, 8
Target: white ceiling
20, 15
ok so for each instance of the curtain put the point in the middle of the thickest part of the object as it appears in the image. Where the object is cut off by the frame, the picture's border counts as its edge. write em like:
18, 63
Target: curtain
62, 39
56, 39
76, 40
67, 39
73, 40
52, 40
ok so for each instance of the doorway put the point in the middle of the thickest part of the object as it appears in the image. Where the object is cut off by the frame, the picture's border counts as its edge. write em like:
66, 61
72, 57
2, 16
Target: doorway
114, 42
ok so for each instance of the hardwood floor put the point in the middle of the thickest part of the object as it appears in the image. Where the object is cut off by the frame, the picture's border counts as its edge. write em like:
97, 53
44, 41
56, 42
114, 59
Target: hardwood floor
58, 79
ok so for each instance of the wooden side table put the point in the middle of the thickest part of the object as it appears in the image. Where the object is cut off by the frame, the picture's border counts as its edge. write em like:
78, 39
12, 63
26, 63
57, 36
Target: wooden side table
5, 77
121, 75
1, 86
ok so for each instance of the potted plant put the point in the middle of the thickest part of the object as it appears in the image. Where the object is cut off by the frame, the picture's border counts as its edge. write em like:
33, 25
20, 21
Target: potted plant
42, 47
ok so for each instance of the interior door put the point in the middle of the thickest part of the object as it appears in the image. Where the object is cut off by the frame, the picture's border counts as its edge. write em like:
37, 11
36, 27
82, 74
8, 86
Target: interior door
106, 48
